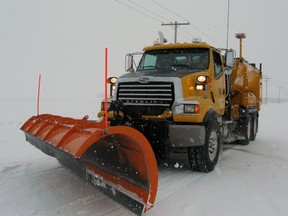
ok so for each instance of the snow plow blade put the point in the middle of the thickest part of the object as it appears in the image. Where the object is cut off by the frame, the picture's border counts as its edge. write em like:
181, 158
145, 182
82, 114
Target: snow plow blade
119, 160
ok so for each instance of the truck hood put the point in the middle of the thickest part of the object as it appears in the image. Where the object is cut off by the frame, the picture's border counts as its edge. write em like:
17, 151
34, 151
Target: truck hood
160, 73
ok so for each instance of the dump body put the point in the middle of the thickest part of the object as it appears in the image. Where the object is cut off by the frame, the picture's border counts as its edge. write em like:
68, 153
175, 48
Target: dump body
245, 85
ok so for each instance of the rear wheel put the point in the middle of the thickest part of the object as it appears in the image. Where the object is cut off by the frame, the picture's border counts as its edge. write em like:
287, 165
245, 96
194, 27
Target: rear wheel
204, 158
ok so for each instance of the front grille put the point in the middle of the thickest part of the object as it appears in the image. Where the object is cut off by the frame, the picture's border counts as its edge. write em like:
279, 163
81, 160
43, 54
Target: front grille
146, 99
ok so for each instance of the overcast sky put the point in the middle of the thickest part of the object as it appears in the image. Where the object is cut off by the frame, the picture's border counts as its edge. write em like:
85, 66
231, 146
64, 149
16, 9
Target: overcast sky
64, 40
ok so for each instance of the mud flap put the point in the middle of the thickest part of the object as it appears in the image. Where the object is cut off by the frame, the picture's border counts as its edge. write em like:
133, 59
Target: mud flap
119, 160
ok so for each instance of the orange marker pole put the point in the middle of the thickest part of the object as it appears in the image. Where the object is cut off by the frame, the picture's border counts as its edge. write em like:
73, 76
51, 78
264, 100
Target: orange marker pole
106, 93
38, 96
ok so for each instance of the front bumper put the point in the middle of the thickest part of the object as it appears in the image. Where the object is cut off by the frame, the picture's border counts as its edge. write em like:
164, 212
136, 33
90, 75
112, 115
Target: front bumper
186, 135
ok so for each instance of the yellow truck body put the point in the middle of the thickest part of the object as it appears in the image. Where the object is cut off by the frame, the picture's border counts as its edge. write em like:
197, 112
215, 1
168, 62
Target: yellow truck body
245, 82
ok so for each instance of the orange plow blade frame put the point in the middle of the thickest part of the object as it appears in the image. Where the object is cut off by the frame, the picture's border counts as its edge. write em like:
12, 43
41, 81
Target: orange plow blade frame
118, 159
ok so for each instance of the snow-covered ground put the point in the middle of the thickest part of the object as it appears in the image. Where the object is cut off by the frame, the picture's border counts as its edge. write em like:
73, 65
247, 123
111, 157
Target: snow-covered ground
249, 180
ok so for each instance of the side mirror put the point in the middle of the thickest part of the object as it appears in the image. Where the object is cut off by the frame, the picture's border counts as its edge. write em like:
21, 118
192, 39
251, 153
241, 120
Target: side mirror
230, 58
129, 63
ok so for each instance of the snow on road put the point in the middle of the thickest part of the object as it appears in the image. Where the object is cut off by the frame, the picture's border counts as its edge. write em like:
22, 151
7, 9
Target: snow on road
249, 180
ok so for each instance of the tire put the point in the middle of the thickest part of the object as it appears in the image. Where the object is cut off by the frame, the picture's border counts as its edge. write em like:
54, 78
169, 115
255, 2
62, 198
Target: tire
204, 158
254, 126
245, 124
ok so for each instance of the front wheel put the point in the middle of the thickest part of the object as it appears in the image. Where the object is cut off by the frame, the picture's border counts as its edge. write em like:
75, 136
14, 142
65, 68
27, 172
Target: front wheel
204, 158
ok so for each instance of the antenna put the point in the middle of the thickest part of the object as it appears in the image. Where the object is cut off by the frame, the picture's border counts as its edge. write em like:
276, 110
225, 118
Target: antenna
105, 90
228, 23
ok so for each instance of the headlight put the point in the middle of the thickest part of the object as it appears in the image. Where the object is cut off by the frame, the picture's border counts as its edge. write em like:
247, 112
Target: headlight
201, 79
191, 108
200, 87
112, 80
204, 79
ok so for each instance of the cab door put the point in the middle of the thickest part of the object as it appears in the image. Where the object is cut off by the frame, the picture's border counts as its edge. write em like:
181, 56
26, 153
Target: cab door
218, 89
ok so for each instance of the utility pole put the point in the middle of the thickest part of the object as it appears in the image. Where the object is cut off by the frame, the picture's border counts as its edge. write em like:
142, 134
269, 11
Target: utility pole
266, 79
175, 26
279, 99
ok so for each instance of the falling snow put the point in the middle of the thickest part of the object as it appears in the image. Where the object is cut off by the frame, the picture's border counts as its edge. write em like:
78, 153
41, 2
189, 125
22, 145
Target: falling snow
248, 180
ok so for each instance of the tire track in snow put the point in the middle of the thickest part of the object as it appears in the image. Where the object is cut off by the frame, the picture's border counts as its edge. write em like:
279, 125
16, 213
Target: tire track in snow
272, 156
87, 205
76, 206
175, 183
27, 170
172, 180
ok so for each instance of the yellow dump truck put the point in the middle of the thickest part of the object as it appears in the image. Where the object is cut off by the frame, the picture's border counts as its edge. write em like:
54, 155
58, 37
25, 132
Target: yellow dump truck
189, 98
184, 97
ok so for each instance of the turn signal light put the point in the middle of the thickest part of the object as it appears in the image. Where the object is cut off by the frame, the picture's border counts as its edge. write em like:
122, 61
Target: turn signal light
103, 106
191, 108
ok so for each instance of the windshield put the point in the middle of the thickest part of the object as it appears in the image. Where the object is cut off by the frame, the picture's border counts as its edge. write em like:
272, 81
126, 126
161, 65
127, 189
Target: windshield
193, 59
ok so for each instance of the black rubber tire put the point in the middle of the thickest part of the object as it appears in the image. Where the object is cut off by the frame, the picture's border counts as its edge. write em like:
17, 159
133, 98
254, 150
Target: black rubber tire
198, 156
254, 126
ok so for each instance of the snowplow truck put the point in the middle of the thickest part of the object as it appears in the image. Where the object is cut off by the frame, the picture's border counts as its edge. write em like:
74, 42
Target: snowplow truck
189, 98
182, 97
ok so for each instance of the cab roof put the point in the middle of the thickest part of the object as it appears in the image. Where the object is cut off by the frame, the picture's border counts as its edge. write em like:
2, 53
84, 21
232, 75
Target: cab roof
177, 46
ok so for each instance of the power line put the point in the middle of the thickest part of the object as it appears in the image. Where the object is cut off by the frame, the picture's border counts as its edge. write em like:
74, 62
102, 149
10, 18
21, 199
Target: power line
167, 9
132, 8
128, 6
175, 24
148, 10
158, 20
